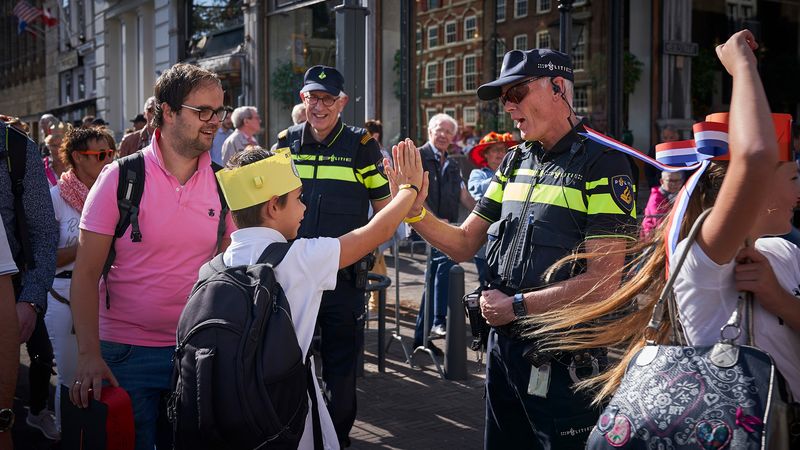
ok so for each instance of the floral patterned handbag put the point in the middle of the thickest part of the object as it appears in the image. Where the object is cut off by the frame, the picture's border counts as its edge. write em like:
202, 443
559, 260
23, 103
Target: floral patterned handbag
696, 397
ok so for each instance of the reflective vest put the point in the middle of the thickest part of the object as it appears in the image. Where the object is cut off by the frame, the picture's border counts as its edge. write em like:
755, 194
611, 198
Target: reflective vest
340, 176
544, 204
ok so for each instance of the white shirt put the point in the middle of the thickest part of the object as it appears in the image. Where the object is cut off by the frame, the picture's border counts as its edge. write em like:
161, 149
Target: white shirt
706, 296
308, 269
7, 265
68, 219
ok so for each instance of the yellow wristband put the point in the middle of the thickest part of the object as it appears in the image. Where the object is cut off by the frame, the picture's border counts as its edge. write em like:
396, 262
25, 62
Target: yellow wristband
416, 219
408, 186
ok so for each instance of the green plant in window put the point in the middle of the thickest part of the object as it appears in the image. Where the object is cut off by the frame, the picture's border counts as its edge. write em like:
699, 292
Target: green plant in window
285, 83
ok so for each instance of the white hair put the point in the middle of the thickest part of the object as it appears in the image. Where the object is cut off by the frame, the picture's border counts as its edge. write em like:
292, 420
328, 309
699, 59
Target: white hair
442, 117
151, 102
299, 113
241, 113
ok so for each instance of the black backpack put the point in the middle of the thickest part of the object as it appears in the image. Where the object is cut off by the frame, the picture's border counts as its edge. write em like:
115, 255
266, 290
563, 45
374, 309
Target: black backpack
240, 381
129, 196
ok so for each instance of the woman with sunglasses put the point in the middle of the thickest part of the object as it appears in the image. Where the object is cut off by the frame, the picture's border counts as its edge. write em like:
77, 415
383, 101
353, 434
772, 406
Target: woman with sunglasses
84, 152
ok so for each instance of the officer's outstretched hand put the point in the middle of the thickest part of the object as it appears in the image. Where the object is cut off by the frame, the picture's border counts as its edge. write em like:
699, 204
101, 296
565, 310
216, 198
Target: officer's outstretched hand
407, 170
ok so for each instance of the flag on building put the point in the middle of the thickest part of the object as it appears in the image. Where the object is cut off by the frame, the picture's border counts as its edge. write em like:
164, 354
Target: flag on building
48, 18
25, 14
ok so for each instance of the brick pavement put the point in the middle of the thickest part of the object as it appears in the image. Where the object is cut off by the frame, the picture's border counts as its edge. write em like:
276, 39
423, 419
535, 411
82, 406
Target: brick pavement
404, 408
413, 407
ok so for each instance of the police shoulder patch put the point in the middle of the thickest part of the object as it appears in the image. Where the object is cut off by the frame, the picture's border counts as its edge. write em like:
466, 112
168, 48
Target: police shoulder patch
622, 192
283, 134
367, 136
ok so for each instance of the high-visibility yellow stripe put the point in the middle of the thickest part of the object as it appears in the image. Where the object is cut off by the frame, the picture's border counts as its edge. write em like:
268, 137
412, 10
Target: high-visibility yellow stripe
594, 184
565, 197
297, 157
604, 204
336, 173
375, 181
366, 169
494, 192
306, 172
526, 172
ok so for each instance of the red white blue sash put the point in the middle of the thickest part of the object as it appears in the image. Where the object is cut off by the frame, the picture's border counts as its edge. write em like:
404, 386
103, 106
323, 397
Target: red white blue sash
710, 141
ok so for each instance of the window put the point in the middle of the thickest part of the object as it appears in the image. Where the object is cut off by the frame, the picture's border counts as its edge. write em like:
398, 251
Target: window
470, 73
500, 11
470, 28
433, 4
470, 116
520, 8
449, 75
419, 38
450, 112
433, 36
81, 84
543, 39
580, 101
431, 75
66, 87
429, 112
449, 32
521, 42
543, 6
579, 52
499, 54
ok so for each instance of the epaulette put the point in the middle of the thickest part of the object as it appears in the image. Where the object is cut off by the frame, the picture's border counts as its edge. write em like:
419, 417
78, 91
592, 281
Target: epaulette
283, 134
364, 139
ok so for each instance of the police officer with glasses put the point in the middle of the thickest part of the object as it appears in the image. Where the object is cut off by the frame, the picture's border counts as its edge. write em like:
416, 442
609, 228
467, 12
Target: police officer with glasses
555, 193
338, 165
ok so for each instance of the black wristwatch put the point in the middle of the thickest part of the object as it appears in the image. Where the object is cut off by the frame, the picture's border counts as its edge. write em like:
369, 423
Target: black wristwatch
6, 419
519, 305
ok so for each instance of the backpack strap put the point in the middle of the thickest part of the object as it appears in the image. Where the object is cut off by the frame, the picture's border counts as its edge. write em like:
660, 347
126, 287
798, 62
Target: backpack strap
129, 195
210, 268
17, 148
315, 420
223, 207
274, 253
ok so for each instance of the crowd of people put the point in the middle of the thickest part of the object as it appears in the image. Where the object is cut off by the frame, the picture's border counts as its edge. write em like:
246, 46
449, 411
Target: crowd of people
97, 259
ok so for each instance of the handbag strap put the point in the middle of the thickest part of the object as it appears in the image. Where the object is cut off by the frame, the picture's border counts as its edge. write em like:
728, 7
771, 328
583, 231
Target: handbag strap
658, 310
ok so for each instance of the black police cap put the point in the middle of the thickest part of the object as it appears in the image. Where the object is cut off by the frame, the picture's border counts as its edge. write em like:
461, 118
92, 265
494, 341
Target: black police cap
323, 78
139, 118
519, 65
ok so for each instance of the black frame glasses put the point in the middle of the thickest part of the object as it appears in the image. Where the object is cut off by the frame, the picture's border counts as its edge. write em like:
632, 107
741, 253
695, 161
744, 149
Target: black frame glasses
518, 92
208, 113
313, 99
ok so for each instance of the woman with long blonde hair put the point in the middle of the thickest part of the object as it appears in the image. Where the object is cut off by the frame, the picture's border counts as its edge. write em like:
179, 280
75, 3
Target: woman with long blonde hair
752, 196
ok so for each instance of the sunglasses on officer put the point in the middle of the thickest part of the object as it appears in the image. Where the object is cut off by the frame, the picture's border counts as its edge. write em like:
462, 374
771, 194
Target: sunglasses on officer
517, 93
100, 154
206, 114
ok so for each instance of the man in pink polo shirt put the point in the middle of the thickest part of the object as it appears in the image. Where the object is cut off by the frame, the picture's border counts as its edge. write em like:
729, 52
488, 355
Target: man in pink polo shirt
130, 341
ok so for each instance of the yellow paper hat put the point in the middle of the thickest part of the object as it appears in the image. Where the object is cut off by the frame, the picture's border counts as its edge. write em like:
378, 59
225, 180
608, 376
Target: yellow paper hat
258, 182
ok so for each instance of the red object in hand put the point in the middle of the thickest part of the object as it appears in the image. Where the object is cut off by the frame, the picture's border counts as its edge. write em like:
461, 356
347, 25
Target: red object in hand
104, 425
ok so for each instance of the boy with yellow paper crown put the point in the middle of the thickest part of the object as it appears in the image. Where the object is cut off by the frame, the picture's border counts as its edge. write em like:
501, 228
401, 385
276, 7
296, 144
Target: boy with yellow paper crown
264, 193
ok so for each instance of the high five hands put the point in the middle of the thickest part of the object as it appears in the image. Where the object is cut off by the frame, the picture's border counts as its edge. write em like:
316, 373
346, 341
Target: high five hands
407, 170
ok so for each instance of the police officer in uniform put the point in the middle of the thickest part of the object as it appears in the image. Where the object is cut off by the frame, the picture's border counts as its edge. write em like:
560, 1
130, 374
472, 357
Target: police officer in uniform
554, 193
338, 165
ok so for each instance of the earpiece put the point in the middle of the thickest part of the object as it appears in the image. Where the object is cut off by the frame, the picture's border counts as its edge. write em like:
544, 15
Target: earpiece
556, 88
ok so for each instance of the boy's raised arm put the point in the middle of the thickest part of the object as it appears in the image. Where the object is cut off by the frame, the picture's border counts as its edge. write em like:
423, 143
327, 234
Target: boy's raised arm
407, 181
